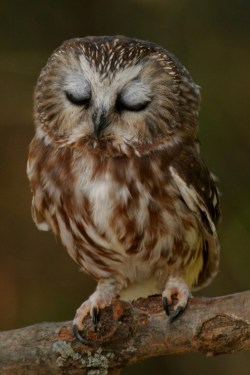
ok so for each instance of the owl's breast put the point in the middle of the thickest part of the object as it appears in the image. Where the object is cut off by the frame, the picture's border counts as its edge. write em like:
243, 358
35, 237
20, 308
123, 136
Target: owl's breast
114, 215
128, 213
122, 196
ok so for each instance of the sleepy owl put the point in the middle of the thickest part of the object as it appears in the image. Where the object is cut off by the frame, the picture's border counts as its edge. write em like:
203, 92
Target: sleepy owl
116, 173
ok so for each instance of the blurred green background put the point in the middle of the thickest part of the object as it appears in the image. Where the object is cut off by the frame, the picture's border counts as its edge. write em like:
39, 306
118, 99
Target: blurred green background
38, 280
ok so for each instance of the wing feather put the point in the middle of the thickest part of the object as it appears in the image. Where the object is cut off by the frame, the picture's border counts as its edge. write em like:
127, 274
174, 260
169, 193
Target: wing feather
198, 190
39, 220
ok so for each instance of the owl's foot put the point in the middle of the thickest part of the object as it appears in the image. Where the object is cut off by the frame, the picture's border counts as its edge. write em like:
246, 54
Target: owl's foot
106, 291
92, 306
178, 288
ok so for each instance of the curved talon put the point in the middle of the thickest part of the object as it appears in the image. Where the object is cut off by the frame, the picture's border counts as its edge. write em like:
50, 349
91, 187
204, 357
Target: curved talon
95, 317
176, 314
166, 305
79, 336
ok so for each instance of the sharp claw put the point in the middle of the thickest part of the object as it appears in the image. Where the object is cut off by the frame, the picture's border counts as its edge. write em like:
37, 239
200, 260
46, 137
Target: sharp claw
176, 314
165, 305
79, 336
95, 314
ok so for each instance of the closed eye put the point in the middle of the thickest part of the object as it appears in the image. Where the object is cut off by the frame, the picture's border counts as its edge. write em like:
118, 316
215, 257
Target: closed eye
78, 99
122, 105
135, 96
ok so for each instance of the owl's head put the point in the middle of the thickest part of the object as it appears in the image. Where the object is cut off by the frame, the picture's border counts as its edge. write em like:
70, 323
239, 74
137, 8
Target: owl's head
115, 92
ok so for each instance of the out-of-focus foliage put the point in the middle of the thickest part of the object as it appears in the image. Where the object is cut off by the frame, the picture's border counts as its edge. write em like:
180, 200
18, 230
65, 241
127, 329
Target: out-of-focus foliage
38, 281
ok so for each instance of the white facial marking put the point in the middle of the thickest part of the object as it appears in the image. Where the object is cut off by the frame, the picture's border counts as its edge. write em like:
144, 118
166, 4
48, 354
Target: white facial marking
136, 92
77, 85
106, 90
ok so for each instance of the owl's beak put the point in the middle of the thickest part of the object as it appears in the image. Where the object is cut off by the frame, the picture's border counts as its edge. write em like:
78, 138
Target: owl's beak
101, 121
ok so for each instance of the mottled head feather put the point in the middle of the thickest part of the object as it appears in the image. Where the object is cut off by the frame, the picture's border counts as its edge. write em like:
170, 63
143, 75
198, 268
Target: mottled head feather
142, 91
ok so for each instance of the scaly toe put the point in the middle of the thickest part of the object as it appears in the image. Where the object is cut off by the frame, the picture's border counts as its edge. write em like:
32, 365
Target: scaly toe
81, 314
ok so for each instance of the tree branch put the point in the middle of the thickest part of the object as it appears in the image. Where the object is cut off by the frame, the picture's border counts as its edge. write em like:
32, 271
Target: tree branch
135, 332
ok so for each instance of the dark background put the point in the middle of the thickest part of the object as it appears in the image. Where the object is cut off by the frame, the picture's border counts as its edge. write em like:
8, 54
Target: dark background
38, 280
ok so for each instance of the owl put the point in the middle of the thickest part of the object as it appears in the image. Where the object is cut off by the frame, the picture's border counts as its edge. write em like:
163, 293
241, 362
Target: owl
116, 173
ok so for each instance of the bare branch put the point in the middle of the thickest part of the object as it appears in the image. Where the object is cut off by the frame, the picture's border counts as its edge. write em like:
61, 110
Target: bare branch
129, 333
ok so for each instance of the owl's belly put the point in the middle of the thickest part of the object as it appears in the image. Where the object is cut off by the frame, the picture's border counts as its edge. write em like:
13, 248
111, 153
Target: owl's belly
130, 232
125, 220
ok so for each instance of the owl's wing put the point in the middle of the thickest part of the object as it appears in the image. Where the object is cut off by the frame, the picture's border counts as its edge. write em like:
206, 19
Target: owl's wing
34, 179
198, 190
39, 220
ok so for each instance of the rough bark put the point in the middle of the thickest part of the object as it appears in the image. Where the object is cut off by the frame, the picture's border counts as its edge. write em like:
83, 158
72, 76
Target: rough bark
128, 333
